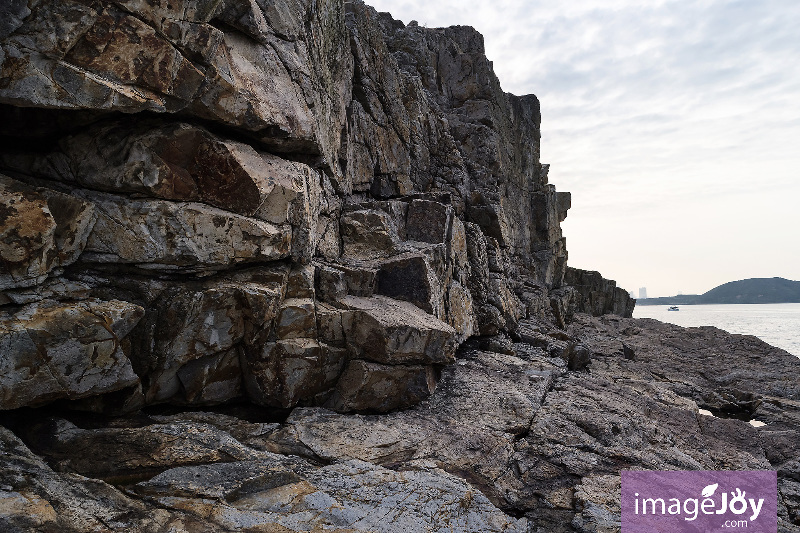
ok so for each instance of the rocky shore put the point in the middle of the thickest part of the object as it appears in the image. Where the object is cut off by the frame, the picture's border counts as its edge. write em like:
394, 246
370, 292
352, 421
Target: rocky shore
293, 265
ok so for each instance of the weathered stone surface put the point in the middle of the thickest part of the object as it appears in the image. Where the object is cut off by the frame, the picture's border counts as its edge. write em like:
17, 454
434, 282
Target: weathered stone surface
118, 452
353, 495
428, 221
292, 371
460, 310
167, 235
54, 288
212, 379
34, 497
558, 439
529, 435
51, 351
408, 277
301, 282
166, 57
367, 234
179, 162
320, 206
260, 490
296, 318
482, 403
39, 230
186, 346
390, 332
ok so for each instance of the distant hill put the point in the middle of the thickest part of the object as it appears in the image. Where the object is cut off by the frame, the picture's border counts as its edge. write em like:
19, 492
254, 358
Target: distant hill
746, 291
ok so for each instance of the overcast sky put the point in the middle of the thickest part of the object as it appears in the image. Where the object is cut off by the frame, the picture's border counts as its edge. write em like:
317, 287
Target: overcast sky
674, 123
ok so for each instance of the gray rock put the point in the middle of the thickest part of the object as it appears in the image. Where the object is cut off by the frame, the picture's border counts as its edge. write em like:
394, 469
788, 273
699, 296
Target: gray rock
319, 209
355, 495
408, 277
390, 332
35, 497
156, 234
186, 347
368, 386
598, 296
178, 162
367, 234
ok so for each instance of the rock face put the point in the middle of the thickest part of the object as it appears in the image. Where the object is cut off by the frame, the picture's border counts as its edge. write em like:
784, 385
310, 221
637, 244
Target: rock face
295, 265
310, 202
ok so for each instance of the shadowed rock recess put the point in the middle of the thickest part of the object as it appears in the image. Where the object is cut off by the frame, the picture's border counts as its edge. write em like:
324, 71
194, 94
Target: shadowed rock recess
292, 265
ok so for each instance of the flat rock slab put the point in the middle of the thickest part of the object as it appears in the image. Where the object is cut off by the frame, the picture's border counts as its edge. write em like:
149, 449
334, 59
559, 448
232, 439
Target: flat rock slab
354, 496
180, 235
255, 491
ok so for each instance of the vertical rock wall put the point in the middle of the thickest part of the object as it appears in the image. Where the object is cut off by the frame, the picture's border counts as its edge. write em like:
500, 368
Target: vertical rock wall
298, 202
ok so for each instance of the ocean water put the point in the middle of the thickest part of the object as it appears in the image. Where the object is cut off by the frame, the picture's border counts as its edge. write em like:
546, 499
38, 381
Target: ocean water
776, 324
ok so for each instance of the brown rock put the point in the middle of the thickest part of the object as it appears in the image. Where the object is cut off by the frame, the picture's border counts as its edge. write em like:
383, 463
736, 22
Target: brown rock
40, 230
367, 234
292, 371
120, 47
186, 347
296, 318
176, 162
52, 351
212, 379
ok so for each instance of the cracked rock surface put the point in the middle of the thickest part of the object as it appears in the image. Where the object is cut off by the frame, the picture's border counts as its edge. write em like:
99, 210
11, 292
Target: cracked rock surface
507, 442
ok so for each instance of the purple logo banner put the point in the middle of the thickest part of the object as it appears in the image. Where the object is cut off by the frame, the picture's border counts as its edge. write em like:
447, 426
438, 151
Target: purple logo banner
695, 501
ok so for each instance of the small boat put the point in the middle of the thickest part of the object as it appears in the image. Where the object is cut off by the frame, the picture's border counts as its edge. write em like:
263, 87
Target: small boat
673, 308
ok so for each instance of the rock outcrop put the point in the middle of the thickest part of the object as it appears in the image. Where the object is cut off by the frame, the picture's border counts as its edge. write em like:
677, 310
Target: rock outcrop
295, 265
302, 203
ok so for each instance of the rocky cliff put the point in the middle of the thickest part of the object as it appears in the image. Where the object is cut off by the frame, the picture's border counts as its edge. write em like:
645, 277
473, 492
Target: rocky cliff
292, 203
291, 265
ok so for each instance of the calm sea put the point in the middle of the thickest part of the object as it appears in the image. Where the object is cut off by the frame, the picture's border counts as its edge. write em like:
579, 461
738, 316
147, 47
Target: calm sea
777, 324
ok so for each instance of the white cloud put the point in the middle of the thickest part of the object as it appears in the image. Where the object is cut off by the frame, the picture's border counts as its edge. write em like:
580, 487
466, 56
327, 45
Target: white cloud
675, 124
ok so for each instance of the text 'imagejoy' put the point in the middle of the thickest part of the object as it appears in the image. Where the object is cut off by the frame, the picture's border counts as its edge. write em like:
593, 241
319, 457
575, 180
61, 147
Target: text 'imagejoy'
693, 501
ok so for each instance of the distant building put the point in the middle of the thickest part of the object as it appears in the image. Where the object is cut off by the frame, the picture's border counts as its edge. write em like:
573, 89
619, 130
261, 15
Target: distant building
633, 294
643, 293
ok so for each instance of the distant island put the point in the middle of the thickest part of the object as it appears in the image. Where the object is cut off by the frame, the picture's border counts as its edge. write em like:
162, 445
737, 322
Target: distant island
746, 291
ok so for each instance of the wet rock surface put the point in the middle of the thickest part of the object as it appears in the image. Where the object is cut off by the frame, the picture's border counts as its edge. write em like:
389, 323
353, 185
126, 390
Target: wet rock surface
297, 266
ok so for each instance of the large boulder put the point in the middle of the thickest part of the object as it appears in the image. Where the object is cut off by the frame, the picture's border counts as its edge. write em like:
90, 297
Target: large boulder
387, 331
